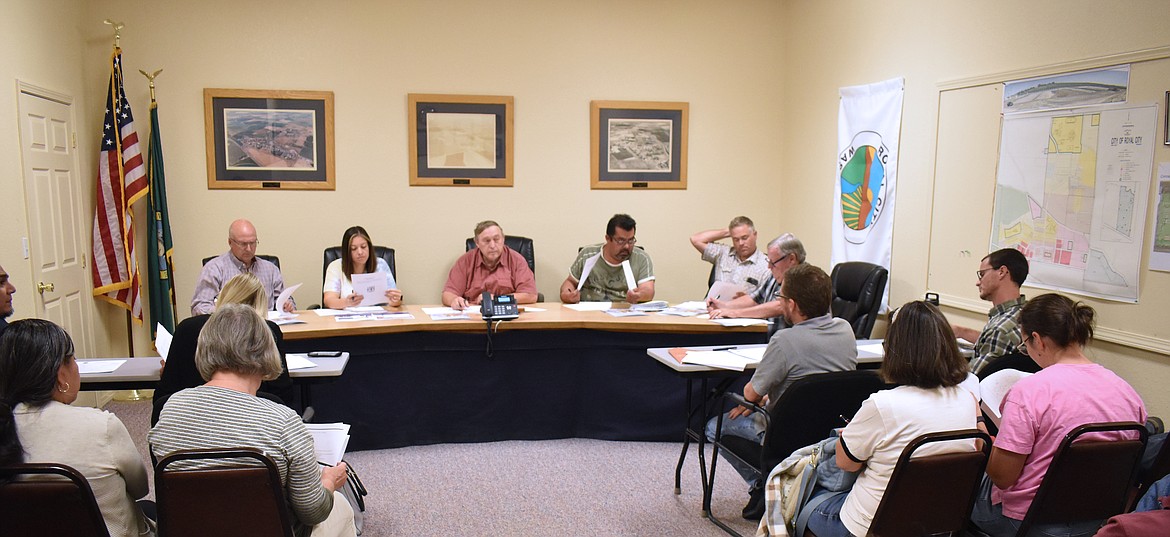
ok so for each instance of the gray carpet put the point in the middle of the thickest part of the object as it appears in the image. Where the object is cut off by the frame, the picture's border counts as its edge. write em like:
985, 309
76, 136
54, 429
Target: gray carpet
551, 487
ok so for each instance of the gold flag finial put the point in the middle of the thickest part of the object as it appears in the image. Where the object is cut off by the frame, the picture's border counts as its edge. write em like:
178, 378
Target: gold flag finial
150, 77
117, 31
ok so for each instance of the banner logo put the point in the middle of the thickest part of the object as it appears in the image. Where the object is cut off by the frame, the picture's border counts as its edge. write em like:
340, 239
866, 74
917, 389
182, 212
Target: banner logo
861, 169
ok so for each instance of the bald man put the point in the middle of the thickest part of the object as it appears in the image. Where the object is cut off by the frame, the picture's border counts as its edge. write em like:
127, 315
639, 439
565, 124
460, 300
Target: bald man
240, 257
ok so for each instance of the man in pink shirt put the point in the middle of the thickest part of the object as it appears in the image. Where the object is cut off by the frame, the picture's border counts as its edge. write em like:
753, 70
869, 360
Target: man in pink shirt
490, 266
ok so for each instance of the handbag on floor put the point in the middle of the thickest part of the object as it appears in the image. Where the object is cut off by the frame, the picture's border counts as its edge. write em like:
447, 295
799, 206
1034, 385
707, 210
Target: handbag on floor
355, 491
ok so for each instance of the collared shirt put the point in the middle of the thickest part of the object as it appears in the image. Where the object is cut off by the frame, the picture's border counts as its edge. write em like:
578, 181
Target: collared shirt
751, 273
218, 271
606, 281
1001, 335
470, 277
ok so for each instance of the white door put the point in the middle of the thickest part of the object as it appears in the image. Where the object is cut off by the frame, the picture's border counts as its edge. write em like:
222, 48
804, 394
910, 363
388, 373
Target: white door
57, 247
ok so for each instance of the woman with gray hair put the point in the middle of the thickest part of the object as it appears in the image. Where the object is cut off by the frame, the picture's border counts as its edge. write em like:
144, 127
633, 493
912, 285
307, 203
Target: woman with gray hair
235, 354
180, 372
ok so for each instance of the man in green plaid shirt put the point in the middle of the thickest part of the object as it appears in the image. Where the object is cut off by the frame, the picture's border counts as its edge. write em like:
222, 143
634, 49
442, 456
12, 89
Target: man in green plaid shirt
999, 278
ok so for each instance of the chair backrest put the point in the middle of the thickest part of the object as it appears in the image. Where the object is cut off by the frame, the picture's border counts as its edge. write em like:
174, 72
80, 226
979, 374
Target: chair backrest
270, 258
244, 497
515, 242
1158, 468
813, 406
1012, 360
932, 494
37, 504
1088, 479
333, 253
857, 294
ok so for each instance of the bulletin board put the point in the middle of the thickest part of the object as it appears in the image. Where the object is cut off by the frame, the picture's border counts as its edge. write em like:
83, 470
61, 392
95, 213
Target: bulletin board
966, 158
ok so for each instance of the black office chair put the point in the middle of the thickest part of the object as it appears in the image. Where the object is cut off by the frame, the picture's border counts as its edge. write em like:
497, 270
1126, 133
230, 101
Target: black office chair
1012, 360
515, 242
1087, 479
270, 258
244, 497
333, 253
41, 506
857, 294
804, 414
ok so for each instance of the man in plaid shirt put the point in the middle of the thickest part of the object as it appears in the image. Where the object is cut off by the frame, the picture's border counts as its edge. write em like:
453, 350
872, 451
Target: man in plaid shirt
999, 278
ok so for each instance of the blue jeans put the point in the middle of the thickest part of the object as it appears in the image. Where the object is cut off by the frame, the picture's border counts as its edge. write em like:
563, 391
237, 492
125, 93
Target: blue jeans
825, 520
992, 521
750, 427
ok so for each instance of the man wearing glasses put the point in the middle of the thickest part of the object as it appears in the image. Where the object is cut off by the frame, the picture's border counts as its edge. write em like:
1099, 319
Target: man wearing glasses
998, 279
240, 257
784, 252
603, 267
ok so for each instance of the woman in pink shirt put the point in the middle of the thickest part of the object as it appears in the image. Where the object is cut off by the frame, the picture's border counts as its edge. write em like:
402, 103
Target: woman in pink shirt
1040, 410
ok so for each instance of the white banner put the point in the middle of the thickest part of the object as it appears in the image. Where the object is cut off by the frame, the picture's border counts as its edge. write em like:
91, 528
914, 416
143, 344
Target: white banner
868, 126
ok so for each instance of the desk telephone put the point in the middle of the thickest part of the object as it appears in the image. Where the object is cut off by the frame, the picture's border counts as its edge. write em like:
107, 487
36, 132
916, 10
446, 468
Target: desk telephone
500, 308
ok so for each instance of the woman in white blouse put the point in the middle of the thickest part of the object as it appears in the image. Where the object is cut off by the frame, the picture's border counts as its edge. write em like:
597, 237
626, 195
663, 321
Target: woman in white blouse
357, 257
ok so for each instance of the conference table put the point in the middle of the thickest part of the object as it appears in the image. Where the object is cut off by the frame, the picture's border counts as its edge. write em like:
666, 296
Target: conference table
554, 372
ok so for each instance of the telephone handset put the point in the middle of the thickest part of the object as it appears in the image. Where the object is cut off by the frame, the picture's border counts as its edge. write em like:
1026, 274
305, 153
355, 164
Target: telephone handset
500, 308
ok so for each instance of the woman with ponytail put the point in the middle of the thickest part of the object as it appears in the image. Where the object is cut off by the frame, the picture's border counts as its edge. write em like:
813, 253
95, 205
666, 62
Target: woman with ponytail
1070, 390
38, 381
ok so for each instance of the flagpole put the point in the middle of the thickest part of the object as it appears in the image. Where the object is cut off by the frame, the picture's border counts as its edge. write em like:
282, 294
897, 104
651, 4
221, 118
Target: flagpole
133, 395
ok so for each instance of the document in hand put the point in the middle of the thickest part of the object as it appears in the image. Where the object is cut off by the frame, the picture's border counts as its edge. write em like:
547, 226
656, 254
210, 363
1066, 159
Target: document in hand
329, 441
162, 341
725, 291
371, 286
282, 299
994, 389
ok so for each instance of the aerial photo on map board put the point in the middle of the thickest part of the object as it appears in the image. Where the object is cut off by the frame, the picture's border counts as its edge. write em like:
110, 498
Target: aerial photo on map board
1069, 90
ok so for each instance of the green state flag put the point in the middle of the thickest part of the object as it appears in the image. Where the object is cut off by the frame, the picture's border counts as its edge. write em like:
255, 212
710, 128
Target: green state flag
161, 266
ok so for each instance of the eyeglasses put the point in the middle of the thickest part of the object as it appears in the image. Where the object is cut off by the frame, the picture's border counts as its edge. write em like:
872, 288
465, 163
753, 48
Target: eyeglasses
625, 242
778, 261
979, 273
1022, 348
249, 245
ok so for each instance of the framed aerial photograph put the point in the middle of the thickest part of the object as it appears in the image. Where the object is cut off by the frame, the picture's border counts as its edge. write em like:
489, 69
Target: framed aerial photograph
460, 140
269, 139
638, 145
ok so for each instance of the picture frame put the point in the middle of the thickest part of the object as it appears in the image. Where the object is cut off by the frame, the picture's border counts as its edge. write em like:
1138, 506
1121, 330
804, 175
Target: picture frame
269, 139
460, 140
1166, 121
638, 145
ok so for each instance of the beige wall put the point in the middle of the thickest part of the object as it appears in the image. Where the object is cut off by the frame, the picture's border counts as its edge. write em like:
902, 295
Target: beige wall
828, 47
761, 77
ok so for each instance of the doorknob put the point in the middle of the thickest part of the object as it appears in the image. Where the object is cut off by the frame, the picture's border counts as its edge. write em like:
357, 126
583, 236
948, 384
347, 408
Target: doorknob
42, 287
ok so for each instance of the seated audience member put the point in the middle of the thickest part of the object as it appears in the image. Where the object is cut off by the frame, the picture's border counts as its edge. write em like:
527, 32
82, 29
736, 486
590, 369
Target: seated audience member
491, 266
1000, 275
240, 258
235, 354
6, 292
741, 263
816, 343
180, 371
357, 257
606, 281
923, 359
784, 252
39, 379
1039, 410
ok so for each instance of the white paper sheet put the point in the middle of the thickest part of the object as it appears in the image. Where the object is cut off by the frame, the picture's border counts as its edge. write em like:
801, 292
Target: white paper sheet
365, 309
99, 366
590, 306
629, 273
162, 341
327, 312
371, 286
995, 387
441, 310
298, 361
457, 316
586, 268
724, 291
875, 348
382, 316
697, 305
284, 296
282, 320
754, 354
740, 322
329, 441
719, 359
626, 313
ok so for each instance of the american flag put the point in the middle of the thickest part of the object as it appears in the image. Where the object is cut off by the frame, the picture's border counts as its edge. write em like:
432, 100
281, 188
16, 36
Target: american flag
121, 182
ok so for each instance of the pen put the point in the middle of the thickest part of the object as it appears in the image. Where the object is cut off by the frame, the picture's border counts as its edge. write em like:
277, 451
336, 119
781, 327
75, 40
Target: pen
843, 418
723, 349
